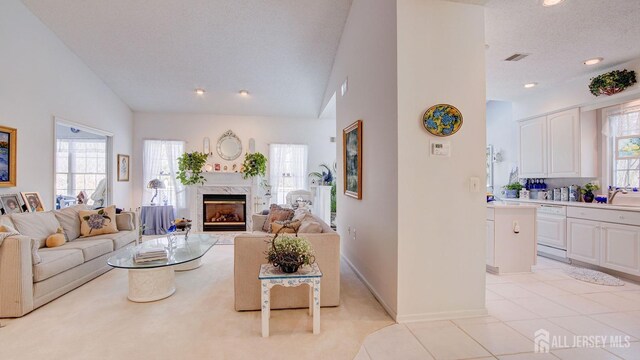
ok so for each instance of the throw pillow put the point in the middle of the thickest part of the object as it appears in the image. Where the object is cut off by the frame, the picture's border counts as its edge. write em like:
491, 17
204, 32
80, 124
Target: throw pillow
310, 227
38, 225
277, 213
7, 229
97, 222
287, 227
69, 219
35, 257
57, 239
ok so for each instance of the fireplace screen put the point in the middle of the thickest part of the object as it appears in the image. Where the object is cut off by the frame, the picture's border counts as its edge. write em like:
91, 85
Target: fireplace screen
224, 212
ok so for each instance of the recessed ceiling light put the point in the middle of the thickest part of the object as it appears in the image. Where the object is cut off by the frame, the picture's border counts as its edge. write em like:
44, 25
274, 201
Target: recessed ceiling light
530, 85
199, 91
593, 61
243, 93
551, 2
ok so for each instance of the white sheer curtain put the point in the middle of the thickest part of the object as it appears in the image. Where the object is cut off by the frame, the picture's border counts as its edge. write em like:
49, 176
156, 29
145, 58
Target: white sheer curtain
623, 129
160, 161
287, 169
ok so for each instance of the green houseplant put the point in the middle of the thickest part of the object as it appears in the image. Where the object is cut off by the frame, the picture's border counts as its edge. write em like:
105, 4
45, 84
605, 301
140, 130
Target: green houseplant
587, 192
290, 252
190, 168
612, 82
511, 190
254, 164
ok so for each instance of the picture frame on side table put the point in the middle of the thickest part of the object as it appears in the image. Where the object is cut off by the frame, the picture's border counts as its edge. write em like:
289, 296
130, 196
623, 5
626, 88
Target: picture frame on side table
10, 204
352, 156
8, 149
32, 201
123, 167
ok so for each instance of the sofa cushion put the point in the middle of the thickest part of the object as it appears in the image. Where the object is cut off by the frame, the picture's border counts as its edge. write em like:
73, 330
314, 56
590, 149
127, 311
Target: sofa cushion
38, 225
55, 261
310, 226
96, 222
120, 239
91, 248
69, 219
277, 213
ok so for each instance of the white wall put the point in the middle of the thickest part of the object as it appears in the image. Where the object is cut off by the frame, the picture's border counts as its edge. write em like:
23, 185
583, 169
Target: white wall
367, 56
41, 78
441, 224
193, 128
502, 133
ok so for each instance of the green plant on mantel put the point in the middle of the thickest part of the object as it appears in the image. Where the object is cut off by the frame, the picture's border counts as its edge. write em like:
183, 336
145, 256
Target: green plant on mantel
254, 164
612, 82
190, 168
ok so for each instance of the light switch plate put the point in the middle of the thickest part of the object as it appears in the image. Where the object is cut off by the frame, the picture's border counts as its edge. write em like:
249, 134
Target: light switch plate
440, 148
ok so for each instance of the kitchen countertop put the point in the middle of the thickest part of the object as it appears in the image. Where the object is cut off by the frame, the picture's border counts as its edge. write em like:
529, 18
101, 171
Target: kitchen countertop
502, 204
575, 204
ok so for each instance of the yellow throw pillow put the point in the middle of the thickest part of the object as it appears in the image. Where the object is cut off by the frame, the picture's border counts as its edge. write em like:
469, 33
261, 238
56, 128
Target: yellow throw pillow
56, 239
97, 222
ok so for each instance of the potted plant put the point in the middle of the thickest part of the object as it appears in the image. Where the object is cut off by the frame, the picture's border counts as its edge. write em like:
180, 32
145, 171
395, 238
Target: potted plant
612, 82
290, 252
587, 192
254, 164
190, 168
511, 190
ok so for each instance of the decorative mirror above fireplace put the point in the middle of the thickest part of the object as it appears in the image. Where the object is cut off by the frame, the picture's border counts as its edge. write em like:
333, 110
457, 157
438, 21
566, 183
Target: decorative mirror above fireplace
229, 146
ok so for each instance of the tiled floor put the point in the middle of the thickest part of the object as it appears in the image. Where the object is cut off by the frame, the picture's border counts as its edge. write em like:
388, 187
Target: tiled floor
518, 306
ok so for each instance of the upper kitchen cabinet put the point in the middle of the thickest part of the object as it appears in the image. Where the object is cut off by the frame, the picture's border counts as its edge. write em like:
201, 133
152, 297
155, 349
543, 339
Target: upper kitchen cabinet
559, 145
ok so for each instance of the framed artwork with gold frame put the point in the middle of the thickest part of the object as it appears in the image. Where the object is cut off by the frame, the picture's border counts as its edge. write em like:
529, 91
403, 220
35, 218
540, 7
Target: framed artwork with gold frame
8, 149
352, 156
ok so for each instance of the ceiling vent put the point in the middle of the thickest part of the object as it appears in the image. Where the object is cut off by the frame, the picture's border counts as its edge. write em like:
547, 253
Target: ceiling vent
516, 57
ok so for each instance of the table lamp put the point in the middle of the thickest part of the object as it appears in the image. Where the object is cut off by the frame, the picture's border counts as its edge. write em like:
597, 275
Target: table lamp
155, 184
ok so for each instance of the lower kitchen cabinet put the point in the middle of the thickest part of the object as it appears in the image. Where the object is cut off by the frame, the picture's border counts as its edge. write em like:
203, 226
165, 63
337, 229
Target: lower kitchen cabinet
583, 240
490, 255
620, 248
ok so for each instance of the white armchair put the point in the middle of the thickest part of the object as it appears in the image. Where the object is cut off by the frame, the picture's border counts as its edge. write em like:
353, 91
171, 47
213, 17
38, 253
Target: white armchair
293, 196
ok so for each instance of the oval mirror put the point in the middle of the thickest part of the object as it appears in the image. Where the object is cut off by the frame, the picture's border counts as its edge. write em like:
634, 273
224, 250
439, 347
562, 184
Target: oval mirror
229, 146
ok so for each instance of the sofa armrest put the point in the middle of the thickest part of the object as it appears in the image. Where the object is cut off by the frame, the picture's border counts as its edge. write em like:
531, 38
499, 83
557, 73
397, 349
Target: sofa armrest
258, 221
126, 221
16, 276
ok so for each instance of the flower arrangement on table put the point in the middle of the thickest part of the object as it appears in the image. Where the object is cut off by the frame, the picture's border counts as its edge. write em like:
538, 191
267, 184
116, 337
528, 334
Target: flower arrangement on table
290, 252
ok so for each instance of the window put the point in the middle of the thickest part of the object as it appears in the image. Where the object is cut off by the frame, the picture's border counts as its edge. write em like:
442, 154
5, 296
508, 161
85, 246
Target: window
160, 161
287, 169
81, 165
624, 145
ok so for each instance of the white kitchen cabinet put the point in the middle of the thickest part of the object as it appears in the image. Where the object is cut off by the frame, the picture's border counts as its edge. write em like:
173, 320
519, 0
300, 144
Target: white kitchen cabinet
511, 238
559, 145
552, 231
583, 240
620, 248
490, 255
533, 148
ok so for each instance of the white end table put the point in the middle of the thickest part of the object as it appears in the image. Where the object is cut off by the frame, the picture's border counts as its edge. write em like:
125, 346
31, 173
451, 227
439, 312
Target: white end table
271, 276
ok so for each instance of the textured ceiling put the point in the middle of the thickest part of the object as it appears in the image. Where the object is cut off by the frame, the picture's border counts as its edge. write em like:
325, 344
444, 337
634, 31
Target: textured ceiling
153, 53
559, 39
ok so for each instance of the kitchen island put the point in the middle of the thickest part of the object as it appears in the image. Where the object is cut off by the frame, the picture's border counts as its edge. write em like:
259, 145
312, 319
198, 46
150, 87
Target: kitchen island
511, 237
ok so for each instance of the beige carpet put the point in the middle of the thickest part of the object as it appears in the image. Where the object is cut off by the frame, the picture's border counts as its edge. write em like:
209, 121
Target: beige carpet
96, 321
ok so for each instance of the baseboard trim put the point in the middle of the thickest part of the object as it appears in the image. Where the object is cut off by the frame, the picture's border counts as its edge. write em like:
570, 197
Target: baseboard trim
445, 315
386, 307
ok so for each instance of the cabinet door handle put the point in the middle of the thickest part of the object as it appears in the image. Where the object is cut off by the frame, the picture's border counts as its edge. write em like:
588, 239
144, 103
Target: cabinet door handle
621, 217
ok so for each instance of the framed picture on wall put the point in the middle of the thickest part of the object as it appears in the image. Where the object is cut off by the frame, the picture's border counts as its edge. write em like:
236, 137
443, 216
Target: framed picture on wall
8, 148
352, 156
123, 167
33, 201
10, 204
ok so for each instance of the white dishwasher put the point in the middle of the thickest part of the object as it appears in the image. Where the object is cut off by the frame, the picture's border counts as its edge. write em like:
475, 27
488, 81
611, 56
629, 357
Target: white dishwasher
551, 228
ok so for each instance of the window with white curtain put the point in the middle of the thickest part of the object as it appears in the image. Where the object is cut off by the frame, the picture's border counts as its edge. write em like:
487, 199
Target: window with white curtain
287, 169
624, 144
81, 165
160, 161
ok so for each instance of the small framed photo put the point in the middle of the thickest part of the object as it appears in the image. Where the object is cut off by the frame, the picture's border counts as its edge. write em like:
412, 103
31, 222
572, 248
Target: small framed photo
123, 167
10, 204
32, 201
8, 140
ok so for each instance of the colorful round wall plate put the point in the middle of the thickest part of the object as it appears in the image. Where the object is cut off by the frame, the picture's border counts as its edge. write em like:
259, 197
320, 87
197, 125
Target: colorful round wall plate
442, 120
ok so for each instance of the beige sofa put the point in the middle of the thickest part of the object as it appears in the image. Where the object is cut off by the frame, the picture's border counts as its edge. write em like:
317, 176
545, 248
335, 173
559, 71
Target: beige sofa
26, 285
249, 254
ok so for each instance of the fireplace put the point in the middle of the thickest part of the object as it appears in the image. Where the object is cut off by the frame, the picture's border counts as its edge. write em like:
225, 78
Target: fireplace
224, 212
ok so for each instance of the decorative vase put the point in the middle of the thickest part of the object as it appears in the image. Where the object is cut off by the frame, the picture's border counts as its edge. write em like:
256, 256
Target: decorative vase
289, 268
588, 196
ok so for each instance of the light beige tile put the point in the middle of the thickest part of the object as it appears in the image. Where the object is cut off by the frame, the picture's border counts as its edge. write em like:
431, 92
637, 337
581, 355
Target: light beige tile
362, 354
490, 295
544, 307
476, 320
510, 291
447, 341
496, 279
394, 342
521, 278
631, 352
506, 310
586, 326
550, 274
529, 327
581, 304
614, 301
629, 295
544, 289
584, 354
498, 338
528, 356
578, 287
626, 322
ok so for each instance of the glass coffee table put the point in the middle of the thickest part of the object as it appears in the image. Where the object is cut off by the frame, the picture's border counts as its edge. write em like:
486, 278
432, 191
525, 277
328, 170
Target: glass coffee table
155, 280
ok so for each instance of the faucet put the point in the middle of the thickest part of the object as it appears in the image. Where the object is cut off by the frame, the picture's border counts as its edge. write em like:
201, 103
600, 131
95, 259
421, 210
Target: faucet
613, 193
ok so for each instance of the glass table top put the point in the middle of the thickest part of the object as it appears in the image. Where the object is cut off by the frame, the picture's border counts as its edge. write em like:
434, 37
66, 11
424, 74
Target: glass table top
179, 251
